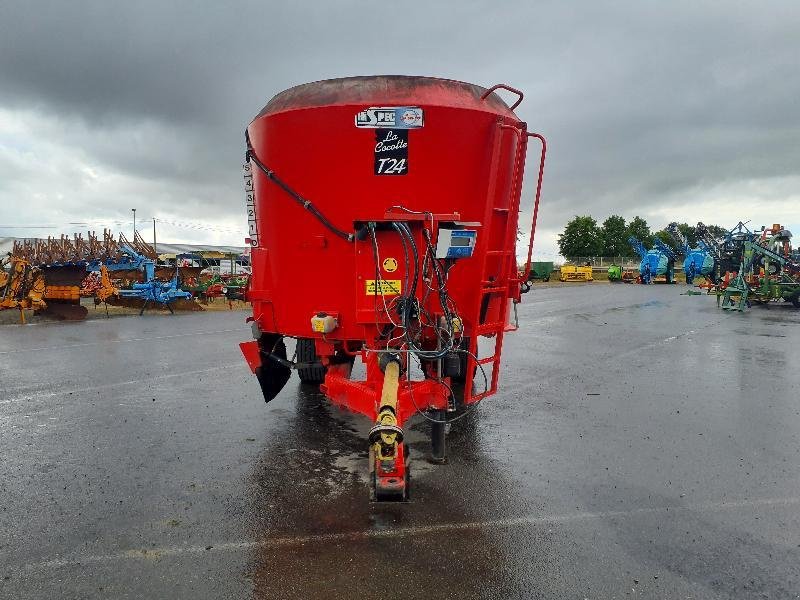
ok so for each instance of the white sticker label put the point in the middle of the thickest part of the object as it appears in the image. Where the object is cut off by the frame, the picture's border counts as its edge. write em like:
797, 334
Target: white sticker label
390, 117
250, 194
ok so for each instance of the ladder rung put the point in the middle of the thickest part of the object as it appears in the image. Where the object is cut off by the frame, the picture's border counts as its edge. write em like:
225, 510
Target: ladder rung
491, 290
499, 209
486, 361
498, 252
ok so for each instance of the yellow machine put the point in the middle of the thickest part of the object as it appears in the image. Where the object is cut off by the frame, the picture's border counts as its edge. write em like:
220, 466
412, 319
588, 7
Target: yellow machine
21, 287
573, 273
107, 289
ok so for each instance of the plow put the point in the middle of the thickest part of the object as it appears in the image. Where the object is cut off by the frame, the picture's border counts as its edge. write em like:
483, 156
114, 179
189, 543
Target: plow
50, 276
412, 245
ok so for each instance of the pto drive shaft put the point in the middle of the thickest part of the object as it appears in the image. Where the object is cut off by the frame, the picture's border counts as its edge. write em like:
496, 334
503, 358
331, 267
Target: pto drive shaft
386, 434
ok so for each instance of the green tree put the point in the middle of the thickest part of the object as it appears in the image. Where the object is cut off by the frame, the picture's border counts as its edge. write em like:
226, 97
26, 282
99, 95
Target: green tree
689, 233
614, 236
639, 228
581, 237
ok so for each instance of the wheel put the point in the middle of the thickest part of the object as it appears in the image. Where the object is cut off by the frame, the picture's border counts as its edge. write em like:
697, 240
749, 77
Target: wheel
546, 278
796, 301
314, 372
689, 280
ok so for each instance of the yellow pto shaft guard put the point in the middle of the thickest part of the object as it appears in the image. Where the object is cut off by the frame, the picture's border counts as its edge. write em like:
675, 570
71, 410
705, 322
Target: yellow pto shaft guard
386, 434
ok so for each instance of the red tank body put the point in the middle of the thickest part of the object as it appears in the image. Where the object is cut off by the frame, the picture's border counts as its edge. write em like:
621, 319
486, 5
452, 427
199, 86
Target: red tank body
358, 184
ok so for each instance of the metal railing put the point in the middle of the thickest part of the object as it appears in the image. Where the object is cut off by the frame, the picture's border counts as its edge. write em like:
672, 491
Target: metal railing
603, 262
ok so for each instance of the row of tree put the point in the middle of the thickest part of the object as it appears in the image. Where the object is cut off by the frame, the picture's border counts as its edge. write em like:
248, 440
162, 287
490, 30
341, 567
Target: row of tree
583, 236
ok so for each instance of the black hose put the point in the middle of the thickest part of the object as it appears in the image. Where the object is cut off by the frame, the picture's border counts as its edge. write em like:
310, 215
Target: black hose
251, 155
405, 255
404, 227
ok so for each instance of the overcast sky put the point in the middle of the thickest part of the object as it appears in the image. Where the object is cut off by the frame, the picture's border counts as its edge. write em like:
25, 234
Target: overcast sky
670, 110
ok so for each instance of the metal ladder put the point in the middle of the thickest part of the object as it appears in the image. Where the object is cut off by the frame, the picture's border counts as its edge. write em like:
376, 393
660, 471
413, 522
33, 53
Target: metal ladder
494, 296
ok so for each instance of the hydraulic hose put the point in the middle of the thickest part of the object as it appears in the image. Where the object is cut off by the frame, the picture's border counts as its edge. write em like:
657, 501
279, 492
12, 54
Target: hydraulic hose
251, 155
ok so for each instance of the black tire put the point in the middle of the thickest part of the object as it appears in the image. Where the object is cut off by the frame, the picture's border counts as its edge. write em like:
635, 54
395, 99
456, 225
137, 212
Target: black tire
796, 301
306, 353
546, 278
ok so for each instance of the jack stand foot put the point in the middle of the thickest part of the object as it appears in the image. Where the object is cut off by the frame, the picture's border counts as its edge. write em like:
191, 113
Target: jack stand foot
438, 454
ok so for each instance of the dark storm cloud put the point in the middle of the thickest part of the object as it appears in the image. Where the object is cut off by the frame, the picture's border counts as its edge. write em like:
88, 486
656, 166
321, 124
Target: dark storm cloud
642, 102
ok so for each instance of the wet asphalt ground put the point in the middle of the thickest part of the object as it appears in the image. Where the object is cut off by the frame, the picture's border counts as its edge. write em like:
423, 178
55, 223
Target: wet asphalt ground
644, 444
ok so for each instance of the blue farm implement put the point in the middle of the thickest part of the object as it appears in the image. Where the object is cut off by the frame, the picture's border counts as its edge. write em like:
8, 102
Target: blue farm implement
66, 262
697, 261
659, 261
140, 294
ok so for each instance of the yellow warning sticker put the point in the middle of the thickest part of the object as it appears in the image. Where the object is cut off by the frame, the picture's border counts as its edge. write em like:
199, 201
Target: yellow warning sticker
390, 265
385, 287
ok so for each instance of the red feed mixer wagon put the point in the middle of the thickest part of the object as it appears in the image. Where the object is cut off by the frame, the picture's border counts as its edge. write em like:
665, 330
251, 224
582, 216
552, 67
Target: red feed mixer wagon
383, 221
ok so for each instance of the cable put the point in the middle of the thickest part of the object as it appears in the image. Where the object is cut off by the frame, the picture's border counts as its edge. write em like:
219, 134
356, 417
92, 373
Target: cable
405, 253
251, 155
472, 407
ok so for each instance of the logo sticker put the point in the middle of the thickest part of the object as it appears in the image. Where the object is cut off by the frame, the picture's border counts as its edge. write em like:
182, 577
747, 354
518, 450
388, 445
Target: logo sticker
390, 265
390, 117
391, 151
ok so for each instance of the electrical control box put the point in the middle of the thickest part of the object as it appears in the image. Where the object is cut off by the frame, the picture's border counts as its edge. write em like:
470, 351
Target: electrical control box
456, 243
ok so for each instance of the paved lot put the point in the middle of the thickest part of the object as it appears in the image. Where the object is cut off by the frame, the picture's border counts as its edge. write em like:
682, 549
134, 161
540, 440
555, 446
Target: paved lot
644, 445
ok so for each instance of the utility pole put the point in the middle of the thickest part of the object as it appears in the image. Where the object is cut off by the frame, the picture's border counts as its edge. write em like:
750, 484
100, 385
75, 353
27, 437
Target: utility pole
155, 248
134, 221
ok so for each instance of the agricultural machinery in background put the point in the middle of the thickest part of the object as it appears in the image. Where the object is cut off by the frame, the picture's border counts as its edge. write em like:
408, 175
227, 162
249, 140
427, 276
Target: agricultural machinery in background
65, 264
698, 261
769, 271
726, 251
540, 270
213, 280
615, 273
575, 273
657, 262
138, 294
22, 286
413, 258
